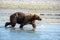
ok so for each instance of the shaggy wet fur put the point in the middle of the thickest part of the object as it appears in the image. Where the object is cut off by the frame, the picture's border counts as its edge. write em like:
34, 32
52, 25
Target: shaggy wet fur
23, 19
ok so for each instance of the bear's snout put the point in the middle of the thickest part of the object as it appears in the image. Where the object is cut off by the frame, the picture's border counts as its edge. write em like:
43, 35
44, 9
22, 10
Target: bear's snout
40, 19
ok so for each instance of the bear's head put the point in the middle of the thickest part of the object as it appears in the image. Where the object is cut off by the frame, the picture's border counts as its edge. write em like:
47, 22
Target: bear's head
37, 17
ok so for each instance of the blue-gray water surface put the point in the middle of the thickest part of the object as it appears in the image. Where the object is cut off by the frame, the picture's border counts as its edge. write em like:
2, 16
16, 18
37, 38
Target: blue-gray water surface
44, 31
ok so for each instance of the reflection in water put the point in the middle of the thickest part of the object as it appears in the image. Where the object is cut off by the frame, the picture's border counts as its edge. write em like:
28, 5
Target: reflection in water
44, 31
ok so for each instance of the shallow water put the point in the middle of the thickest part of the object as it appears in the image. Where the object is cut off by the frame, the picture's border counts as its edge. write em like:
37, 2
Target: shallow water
44, 31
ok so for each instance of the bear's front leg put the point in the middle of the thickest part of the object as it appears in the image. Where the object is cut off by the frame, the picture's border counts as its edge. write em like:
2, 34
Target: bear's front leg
34, 27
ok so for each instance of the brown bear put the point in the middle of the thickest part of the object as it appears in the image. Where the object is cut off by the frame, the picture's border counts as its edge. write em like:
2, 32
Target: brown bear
23, 19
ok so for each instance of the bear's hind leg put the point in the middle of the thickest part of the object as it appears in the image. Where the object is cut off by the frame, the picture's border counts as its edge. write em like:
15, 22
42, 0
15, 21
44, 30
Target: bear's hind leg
13, 24
21, 26
7, 23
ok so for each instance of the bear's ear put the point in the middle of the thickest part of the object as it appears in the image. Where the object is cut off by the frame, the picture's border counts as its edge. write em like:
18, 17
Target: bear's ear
35, 15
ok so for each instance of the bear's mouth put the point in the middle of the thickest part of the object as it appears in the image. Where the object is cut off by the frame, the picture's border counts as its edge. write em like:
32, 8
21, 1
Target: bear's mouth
40, 19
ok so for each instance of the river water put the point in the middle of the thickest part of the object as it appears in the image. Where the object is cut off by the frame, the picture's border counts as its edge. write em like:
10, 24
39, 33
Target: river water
44, 31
